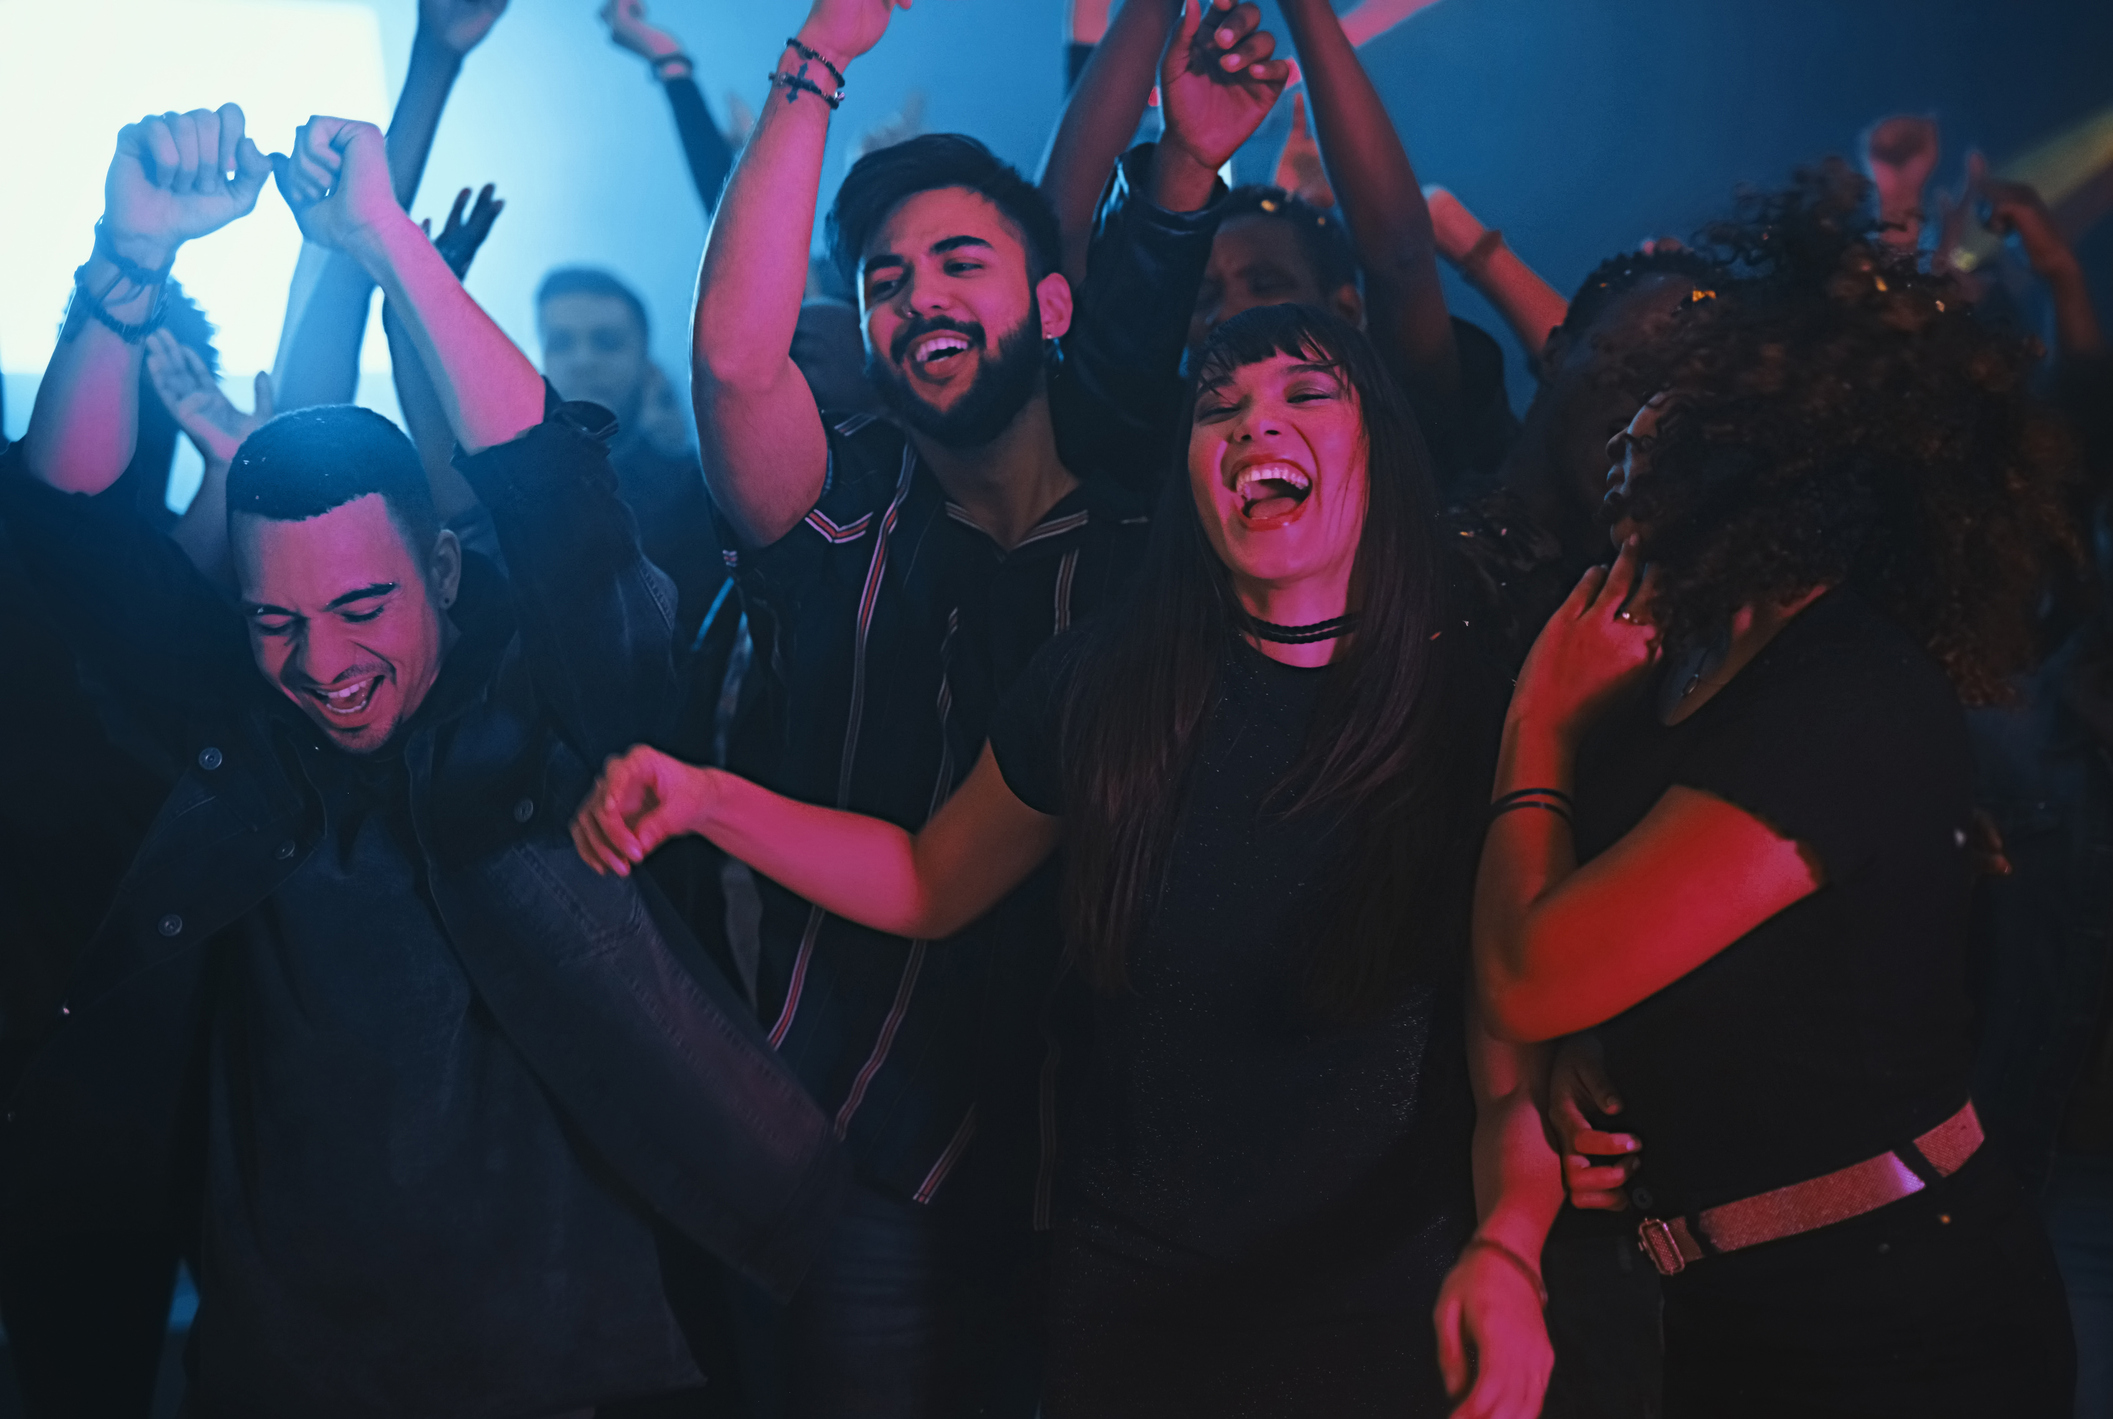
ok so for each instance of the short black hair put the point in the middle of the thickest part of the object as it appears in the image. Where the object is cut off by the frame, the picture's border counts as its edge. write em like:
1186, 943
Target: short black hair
880, 181
593, 281
307, 461
1321, 235
1615, 276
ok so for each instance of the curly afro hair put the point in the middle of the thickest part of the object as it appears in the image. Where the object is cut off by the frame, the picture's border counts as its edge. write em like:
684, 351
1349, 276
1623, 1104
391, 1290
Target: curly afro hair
1837, 416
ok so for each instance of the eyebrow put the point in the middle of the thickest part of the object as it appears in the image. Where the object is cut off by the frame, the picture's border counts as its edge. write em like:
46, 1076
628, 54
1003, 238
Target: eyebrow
938, 248
1219, 381
364, 593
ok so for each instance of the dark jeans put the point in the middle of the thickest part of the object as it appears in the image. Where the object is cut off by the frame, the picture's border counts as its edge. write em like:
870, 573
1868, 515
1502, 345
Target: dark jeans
2079, 1207
916, 1312
1603, 1320
1944, 1305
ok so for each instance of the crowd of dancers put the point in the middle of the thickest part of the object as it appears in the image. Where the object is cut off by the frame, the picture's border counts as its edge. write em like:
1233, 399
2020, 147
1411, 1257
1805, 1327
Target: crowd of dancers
1119, 838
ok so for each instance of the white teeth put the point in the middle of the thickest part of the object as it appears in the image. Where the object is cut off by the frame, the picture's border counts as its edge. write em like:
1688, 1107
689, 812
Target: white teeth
1272, 472
939, 345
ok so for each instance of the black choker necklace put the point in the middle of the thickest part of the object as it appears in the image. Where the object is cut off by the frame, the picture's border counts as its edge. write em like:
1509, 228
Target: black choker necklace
1302, 635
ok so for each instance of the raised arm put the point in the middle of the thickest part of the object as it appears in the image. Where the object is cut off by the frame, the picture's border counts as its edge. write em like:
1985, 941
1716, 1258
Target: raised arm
1374, 18
764, 449
216, 427
1529, 305
1382, 204
337, 182
1101, 115
707, 150
174, 177
326, 311
927, 885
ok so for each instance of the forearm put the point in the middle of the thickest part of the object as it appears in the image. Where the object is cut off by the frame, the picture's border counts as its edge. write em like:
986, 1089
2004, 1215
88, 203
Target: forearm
1526, 854
1101, 117
860, 868
1374, 18
487, 388
1518, 1177
202, 530
426, 421
704, 147
1530, 306
434, 67
1381, 199
86, 418
2076, 328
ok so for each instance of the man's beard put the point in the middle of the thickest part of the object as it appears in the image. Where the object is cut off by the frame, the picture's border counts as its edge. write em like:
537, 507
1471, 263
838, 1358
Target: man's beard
1001, 390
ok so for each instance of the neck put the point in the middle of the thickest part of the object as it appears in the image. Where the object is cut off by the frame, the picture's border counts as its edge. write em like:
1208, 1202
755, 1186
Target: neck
1300, 603
1007, 484
1752, 628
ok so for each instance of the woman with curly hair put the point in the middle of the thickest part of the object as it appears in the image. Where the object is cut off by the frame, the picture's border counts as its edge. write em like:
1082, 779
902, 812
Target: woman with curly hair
1731, 830
1292, 1143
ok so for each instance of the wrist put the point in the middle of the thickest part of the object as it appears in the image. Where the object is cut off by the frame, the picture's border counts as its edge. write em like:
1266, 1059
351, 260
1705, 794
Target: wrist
1538, 751
429, 46
151, 252
378, 246
1182, 179
821, 43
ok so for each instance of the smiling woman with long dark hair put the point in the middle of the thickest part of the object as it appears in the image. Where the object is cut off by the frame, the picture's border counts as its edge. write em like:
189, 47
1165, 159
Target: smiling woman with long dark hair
1265, 775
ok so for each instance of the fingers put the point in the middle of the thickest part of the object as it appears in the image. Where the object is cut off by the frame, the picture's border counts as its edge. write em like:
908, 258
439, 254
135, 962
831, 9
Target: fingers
230, 124
1251, 54
593, 849
250, 171
462, 200
1185, 30
158, 145
1235, 24
1621, 578
1452, 1352
267, 402
1585, 592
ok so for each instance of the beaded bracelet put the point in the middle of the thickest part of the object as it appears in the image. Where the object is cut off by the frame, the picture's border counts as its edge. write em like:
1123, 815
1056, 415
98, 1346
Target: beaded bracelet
813, 55
797, 84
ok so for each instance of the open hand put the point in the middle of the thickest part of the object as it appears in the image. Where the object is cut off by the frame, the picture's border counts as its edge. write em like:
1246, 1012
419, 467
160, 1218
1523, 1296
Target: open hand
1493, 1349
1217, 81
179, 176
643, 798
336, 180
842, 30
1300, 170
627, 24
460, 25
194, 399
1577, 1081
2016, 209
1596, 647
460, 236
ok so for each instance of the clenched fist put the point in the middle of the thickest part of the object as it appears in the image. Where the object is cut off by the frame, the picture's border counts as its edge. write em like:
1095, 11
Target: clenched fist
178, 176
336, 180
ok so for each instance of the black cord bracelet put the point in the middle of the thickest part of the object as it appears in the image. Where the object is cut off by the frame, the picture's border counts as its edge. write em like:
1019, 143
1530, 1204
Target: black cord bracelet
130, 269
797, 84
678, 57
130, 334
1556, 808
1555, 793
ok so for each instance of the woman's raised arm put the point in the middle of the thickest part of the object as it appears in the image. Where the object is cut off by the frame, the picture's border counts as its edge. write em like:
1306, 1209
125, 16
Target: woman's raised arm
980, 845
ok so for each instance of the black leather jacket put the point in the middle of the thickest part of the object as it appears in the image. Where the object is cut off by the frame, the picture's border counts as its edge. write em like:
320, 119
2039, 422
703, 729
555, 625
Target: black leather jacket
651, 1056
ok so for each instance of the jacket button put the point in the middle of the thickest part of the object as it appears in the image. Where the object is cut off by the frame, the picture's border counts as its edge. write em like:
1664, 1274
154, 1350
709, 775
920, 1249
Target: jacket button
209, 758
284, 850
1641, 1196
170, 925
524, 810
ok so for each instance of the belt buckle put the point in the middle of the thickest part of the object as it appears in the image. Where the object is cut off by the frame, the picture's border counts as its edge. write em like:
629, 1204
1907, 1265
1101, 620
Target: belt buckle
1655, 1240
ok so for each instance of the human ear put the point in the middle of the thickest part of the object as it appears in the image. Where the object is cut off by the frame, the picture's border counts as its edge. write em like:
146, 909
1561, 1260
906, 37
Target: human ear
1052, 296
1349, 303
444, 568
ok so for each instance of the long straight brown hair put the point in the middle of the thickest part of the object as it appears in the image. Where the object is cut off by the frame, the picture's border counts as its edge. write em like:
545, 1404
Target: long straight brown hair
1388, 755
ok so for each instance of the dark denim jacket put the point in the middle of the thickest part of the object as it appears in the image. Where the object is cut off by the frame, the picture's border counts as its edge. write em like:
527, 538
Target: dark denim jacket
2043, 935
651, 1056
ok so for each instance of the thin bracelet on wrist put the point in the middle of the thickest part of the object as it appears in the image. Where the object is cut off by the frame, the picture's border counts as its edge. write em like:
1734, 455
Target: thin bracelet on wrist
814, 56
1525, 1268
94, 305
134, 272
662, 63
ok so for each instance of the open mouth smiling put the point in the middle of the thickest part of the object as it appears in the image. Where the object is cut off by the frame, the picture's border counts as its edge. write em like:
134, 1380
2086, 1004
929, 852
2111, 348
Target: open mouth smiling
1271, 493
937, 354
348, 702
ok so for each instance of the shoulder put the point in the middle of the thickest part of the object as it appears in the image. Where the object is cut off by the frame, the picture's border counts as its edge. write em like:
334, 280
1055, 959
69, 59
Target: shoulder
1844, 657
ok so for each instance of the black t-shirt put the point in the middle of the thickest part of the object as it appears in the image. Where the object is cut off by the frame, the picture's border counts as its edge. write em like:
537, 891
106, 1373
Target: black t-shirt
1217, 1112
1840, 1027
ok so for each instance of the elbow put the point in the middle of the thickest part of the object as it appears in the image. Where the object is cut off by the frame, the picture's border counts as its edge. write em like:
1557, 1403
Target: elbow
1512, 1007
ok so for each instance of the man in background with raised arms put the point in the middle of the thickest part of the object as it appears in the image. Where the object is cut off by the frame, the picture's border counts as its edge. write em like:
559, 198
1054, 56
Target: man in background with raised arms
897, 577
447, 1124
